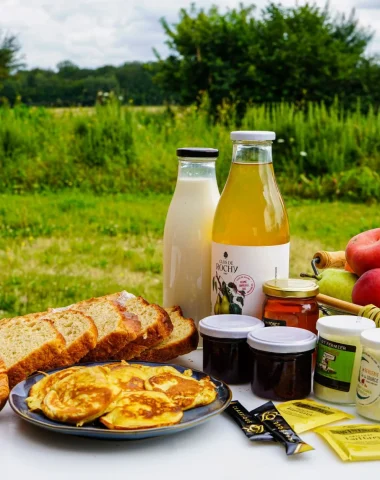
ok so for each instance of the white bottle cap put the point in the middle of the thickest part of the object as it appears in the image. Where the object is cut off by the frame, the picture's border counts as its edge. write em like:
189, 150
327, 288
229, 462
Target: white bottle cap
229, 326
345, 325
259, 136
282, 340
371, 338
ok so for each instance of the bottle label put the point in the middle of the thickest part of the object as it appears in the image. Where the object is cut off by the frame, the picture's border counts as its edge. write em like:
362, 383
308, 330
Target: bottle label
335, 363
368, 390
238, 274
274, 323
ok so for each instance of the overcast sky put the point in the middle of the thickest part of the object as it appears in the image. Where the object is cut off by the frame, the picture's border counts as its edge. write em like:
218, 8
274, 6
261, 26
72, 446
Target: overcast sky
92, 33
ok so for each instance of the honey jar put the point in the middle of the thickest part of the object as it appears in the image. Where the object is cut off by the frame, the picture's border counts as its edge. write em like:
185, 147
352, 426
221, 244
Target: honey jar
291, 302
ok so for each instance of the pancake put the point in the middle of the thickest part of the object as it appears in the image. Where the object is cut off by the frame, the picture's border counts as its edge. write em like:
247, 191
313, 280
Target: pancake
40, 389
151, 371
184, 391
128, 378
137, 410
80, 397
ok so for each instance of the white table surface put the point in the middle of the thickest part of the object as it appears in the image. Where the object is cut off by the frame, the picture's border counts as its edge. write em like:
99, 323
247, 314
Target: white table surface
218, 449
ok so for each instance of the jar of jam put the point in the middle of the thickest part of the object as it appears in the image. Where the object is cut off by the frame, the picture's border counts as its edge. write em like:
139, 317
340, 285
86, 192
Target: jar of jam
281, 362
291, 302
226, 354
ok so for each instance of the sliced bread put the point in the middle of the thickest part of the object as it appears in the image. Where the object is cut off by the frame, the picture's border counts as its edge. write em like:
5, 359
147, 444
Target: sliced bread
183, 339
155, 326
116, 327
78, 330
28, 344
4, 386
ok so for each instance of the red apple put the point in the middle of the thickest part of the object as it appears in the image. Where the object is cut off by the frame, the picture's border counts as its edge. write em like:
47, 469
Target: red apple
367, 289
363, 251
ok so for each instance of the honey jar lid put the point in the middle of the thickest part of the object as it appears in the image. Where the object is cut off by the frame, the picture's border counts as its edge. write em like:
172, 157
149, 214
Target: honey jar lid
229, 326
291, 288
282, 340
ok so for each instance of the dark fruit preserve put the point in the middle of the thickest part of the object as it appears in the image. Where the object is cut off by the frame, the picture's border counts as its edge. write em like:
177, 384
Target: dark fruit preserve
226, 354
281, 362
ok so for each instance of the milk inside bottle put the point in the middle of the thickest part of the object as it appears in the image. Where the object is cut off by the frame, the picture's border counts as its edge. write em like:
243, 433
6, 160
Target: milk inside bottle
251, 230
187, 235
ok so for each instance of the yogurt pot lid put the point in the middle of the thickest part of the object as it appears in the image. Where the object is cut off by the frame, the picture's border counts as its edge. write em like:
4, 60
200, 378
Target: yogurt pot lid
282, 340
345, 325
229, 326
371, 338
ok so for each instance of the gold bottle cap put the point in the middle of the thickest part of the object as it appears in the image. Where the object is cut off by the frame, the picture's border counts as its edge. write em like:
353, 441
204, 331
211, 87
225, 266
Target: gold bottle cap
291, 288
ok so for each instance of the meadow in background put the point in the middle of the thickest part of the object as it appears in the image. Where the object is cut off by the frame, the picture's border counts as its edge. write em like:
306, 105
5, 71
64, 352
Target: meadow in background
85, 192
320, 152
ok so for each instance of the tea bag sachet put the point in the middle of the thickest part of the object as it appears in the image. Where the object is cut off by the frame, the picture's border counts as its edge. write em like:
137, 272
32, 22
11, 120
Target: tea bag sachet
353, 443
304, 415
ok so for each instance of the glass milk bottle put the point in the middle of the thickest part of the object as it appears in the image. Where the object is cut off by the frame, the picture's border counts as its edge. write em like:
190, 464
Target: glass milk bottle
187, 235
251, 231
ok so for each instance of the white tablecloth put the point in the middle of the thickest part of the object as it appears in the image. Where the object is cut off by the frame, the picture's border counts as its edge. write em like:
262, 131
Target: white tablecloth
217, 449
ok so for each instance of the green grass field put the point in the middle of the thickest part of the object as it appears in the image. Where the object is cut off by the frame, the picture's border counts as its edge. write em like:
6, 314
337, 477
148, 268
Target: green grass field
59, 248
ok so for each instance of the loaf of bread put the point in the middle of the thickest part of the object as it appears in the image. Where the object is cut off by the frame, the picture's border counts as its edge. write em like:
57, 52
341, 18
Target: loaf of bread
114, 327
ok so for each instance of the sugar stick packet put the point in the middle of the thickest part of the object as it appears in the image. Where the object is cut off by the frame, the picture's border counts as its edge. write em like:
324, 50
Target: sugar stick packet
252, 428
353, 443
304, 415
275, 423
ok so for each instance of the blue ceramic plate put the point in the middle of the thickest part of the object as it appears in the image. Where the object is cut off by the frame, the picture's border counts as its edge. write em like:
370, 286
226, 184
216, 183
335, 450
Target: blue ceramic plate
191, 418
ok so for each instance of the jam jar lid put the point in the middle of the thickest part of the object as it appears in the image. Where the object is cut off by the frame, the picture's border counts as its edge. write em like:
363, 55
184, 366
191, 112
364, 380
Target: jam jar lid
229, 326
291, 288
345, 325
282, 340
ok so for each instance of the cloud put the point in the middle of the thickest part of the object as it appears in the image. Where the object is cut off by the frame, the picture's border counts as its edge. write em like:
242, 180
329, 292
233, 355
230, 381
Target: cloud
98, 32
369, 4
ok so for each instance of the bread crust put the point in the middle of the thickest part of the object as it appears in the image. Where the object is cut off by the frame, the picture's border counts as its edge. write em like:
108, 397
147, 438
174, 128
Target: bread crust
175, 349
128, 330
47, 357
148, 337
4, 385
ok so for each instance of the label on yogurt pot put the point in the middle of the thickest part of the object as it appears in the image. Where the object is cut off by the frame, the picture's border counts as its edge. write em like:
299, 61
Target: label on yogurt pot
368, 390
335, 363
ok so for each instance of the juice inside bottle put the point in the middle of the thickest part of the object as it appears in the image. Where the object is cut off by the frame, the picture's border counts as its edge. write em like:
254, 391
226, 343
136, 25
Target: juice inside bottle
250, 230
251, 210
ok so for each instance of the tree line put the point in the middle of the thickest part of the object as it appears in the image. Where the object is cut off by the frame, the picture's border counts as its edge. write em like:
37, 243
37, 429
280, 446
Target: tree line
71, 85
294, 54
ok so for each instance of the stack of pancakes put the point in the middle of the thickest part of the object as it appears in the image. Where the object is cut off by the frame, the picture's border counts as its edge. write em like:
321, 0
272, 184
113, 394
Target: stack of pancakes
119, 395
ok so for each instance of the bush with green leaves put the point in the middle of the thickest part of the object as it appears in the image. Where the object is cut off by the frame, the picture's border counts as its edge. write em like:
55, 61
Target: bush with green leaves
319, 151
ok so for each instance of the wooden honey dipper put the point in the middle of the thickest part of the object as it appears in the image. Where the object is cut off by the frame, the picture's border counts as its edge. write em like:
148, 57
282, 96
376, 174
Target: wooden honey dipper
329, 259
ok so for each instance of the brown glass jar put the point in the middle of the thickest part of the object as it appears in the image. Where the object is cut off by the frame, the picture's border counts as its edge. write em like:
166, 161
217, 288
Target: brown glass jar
226, 354
281, 362
291, 303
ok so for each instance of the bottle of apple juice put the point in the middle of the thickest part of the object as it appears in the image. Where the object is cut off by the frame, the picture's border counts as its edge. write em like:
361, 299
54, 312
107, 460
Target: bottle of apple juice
250, 238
